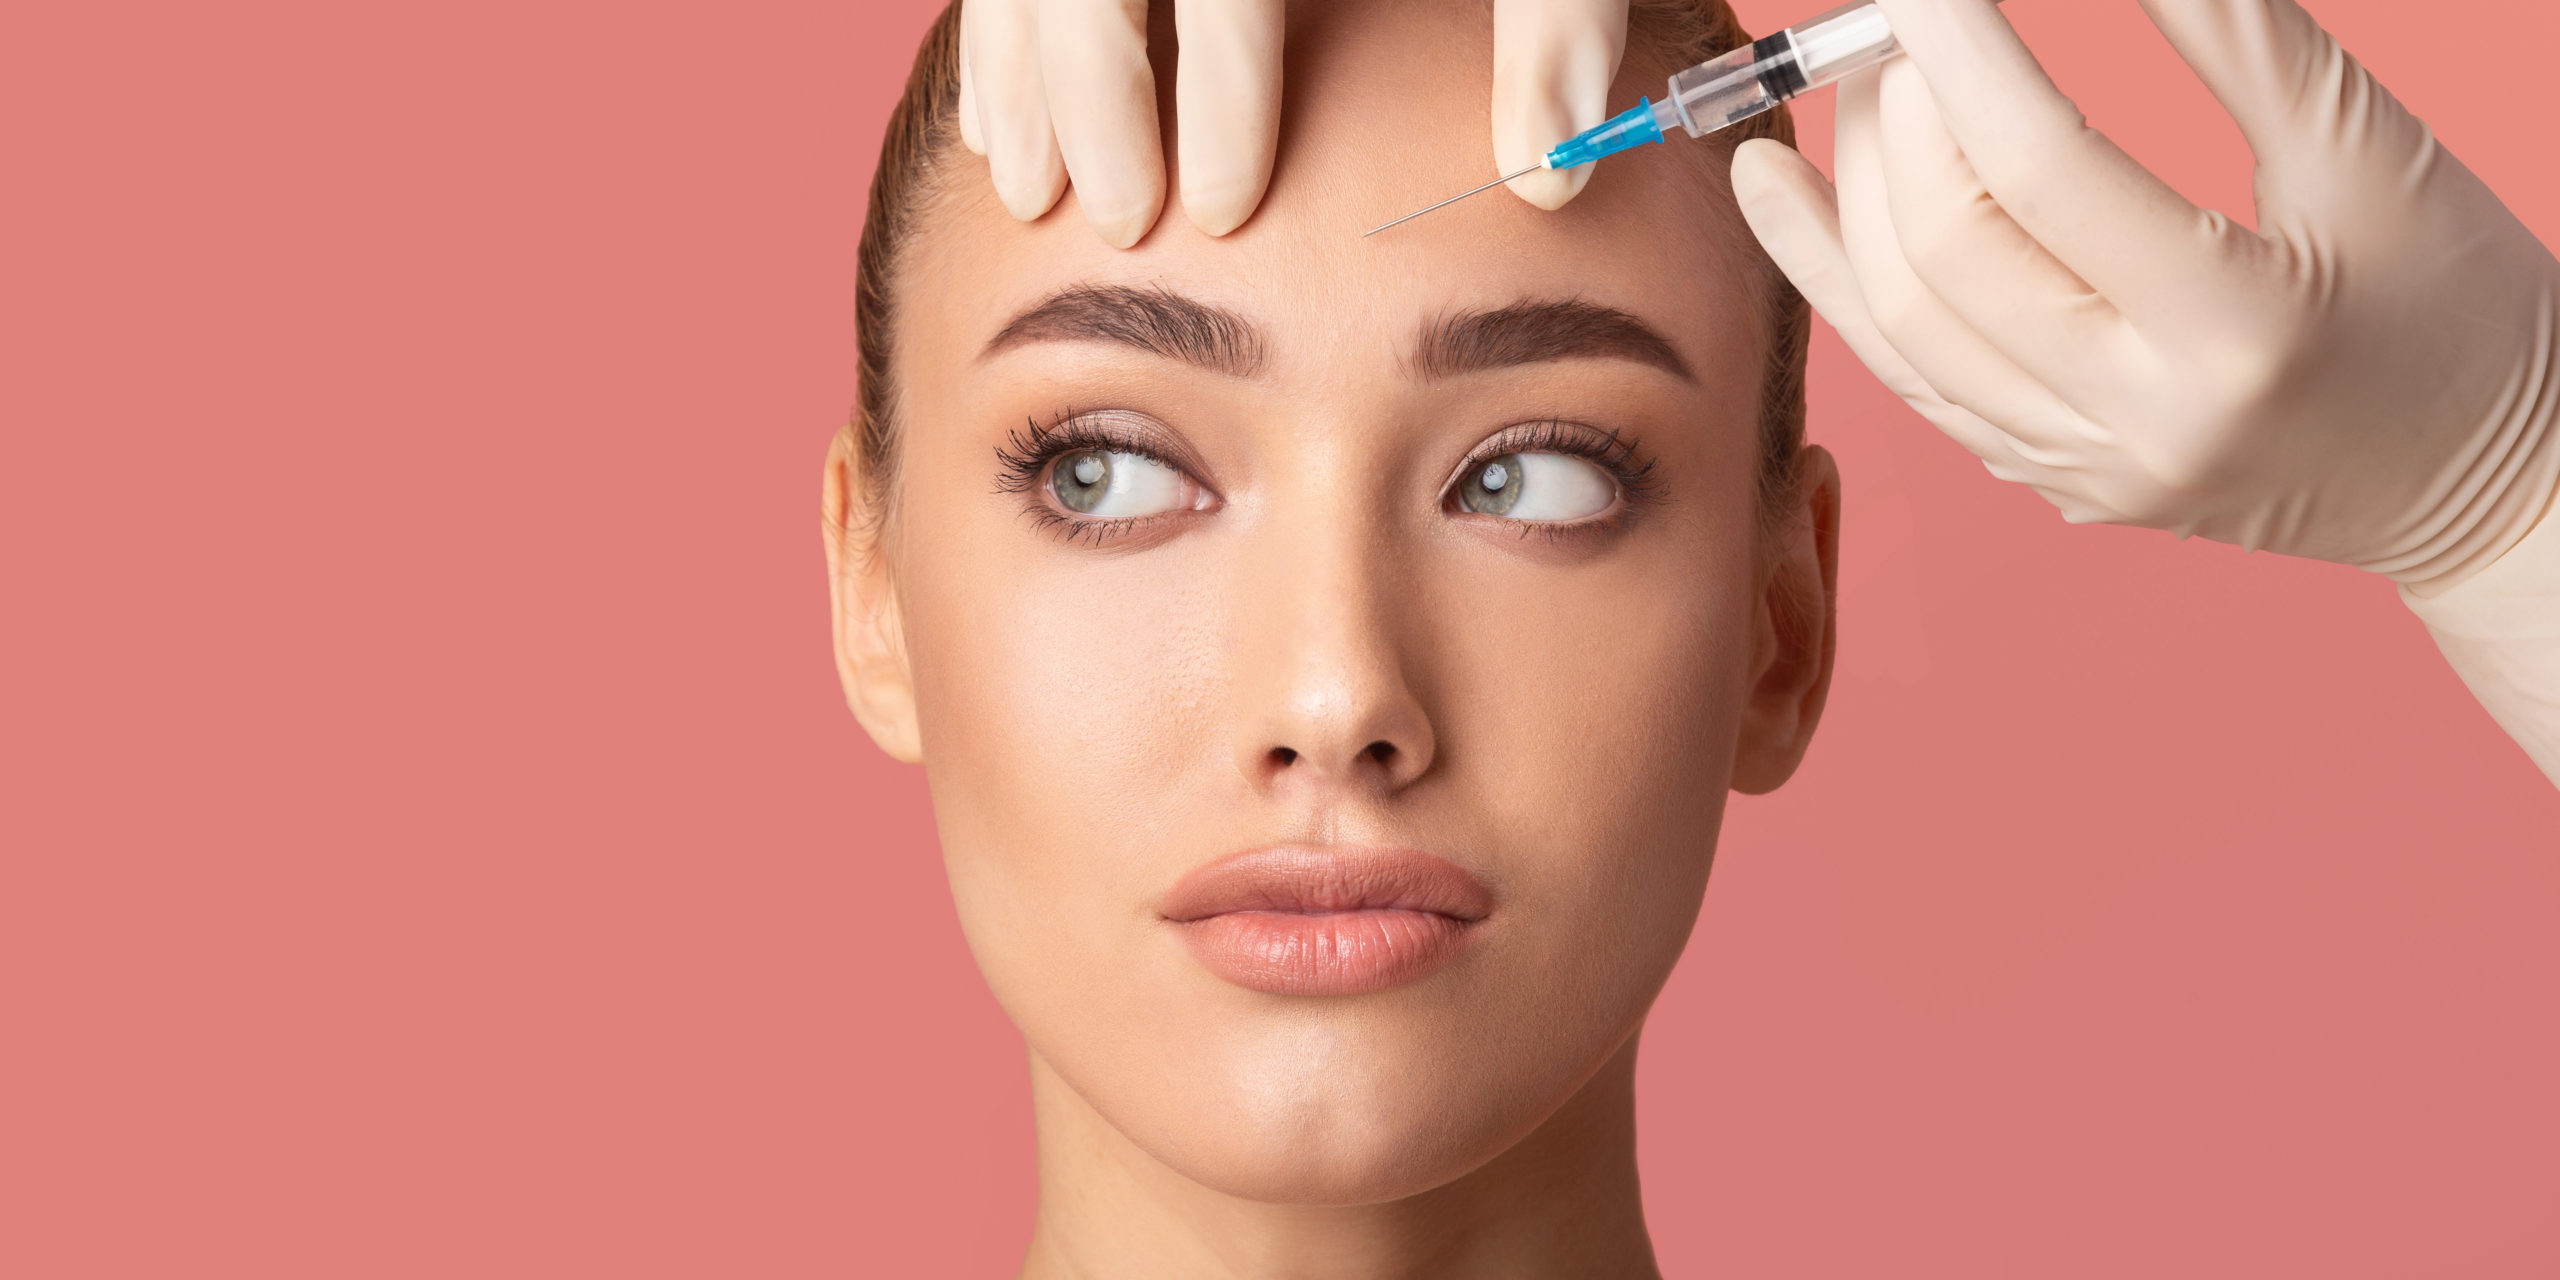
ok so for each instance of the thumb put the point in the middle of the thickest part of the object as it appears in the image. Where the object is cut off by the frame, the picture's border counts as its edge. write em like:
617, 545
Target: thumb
1553, 61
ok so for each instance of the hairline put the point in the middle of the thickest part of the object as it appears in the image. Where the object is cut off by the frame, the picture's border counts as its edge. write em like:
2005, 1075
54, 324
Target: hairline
874, 425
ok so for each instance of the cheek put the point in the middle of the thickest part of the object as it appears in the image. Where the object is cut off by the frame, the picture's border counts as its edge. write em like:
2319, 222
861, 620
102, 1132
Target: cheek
1059, 693
1597, 714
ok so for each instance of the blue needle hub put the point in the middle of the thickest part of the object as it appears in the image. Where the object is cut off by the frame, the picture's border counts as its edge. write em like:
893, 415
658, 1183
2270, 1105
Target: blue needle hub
1632, 127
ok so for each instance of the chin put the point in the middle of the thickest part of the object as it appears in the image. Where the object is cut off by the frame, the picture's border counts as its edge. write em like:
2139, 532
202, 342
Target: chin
1338, 1113
1338, 1161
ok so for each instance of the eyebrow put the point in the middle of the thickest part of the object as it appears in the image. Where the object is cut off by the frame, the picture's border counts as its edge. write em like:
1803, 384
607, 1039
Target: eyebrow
1153, 320
1533, 332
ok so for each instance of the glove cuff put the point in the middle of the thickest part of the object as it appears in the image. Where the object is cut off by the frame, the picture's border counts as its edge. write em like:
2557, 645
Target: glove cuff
2500, 628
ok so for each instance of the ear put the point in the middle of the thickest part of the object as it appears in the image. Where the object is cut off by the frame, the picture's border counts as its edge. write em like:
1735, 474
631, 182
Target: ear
871, 656
1798, 623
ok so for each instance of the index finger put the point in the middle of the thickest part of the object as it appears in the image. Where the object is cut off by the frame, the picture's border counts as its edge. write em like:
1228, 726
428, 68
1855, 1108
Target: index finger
2112, 222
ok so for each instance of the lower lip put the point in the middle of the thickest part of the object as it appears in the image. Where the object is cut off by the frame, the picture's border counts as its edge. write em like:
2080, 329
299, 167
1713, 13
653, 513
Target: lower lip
1325, 953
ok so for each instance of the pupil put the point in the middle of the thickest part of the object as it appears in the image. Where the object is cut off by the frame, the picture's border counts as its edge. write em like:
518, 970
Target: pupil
1089, 470
1496, 475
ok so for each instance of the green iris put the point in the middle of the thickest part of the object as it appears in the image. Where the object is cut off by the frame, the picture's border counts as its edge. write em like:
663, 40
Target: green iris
1081, 478
1492, 488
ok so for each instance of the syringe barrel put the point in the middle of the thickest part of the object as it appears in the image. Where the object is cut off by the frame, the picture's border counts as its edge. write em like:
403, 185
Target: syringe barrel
1768, 71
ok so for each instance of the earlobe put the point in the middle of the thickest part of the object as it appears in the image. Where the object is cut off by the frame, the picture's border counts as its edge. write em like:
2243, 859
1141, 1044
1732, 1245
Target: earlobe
1797, 622
871, 656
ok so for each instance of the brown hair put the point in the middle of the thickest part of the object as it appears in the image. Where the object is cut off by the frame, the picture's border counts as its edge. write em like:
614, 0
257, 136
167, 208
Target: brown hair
923, 140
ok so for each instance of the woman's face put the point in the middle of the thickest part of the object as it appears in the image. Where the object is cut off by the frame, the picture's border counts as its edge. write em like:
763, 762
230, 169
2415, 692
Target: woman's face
1330, 655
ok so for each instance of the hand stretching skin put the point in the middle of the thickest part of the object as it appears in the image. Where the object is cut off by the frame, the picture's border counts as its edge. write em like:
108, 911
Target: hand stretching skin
1060, 90
1053, 91
2371, 377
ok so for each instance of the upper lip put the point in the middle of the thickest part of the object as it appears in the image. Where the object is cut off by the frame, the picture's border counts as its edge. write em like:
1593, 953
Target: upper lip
1323, 879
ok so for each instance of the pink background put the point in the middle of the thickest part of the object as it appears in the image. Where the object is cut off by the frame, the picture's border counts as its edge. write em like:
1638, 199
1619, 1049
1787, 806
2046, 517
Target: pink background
432, 826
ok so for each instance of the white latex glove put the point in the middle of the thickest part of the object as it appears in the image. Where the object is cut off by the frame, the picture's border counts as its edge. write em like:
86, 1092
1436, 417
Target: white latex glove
2372, 377
1552, 64
1060, 90
1052, 90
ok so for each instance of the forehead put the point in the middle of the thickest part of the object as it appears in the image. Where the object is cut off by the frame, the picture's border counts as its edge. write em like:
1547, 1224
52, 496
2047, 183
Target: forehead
1386, 109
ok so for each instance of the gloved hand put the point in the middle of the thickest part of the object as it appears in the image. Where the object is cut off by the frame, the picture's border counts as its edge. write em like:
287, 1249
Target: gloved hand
2371, 377
1053, 90
1059, 89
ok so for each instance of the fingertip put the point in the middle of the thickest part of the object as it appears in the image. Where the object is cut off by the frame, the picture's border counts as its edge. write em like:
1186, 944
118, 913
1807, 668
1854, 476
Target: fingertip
1122, 221
1122, 233
1028, 204
1119, 184
1754, 174
1028, 181
1225, 173
1769, 160
1551, 189
1526, 122
1773, 175
1222, 209
1781, 195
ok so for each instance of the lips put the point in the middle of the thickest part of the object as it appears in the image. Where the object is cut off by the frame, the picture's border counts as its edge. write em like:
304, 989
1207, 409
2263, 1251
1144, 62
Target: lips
1326, 920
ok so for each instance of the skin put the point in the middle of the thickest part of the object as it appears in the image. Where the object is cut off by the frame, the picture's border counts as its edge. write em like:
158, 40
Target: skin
1562, 715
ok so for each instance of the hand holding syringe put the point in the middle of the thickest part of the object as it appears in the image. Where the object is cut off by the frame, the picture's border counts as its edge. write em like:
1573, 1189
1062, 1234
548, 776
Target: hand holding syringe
2370, 376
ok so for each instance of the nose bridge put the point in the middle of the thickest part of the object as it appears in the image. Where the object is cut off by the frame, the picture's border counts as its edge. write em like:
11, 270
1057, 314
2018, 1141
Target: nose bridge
1325, 636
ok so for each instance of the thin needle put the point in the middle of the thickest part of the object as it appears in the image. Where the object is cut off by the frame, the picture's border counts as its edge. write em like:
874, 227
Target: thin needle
1451, 200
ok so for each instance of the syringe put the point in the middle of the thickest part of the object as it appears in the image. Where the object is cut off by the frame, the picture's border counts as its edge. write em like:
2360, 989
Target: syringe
1726, 90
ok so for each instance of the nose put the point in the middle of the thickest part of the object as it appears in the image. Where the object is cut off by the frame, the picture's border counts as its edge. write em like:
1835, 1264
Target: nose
1325, 646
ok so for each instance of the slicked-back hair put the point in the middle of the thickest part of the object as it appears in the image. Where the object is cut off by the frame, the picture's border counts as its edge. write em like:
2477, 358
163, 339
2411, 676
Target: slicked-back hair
921, 153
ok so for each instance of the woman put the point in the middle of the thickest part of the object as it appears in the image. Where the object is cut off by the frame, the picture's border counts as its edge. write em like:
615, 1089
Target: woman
1329, 656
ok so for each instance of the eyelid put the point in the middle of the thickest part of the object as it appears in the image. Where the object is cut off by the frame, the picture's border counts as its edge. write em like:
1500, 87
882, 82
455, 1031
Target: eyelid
1109, 430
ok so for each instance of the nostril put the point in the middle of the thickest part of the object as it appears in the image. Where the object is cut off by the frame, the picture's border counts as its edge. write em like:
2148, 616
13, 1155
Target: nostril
1382, 751
1284, 756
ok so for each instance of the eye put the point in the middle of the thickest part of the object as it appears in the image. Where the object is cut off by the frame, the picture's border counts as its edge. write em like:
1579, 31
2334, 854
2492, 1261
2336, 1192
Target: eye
1109, 484
1552, 488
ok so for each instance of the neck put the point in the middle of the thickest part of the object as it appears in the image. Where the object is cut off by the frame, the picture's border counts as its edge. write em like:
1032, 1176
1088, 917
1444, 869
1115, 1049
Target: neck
1561, 1202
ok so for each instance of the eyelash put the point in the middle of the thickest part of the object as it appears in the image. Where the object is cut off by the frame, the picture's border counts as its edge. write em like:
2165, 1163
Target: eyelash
1024, 458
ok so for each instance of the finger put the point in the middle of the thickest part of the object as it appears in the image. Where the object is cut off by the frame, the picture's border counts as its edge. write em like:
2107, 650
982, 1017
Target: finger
1102, 94
969, 135
1966, 370
1796, 217
1553, 61
1000, 39
2111, 221
1226, 94
1972, 256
